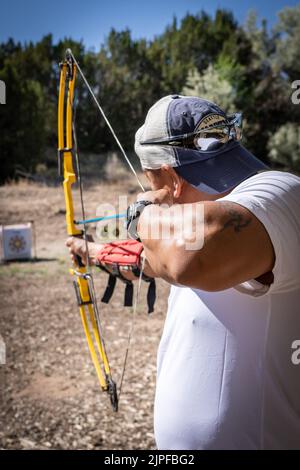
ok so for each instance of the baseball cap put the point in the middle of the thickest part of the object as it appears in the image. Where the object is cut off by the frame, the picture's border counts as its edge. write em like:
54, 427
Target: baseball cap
198, 139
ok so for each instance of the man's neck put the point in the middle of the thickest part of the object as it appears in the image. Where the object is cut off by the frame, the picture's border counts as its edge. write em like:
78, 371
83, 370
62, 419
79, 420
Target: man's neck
190, 195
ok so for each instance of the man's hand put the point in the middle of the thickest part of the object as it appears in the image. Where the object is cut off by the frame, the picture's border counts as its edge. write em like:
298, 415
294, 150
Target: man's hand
161, 196
77, 246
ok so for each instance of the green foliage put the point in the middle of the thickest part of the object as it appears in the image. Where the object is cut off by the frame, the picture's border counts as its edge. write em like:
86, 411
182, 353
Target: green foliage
214, 84
22, 121
247, 69
287, 42
253, 74
284, 146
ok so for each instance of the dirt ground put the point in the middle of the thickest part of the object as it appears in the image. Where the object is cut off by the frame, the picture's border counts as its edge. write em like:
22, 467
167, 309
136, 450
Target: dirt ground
49, 393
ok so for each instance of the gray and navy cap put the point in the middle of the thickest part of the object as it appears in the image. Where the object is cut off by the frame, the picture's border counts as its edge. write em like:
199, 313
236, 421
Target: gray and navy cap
215, 169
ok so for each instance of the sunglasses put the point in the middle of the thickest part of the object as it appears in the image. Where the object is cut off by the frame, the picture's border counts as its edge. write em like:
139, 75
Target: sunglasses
207, 138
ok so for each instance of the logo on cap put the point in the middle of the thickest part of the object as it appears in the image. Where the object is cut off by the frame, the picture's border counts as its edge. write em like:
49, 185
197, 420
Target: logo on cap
211, 120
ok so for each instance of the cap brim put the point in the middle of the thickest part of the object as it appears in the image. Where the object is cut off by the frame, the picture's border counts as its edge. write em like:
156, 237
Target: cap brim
221, 171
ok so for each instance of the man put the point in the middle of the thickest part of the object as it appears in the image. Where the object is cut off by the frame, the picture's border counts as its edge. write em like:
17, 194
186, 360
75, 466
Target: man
228, 371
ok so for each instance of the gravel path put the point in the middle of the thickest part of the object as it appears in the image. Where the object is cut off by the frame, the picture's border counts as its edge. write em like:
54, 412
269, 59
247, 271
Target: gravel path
48, 388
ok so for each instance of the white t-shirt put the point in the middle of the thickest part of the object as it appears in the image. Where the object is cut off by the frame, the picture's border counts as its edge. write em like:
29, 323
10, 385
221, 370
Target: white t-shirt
229, 361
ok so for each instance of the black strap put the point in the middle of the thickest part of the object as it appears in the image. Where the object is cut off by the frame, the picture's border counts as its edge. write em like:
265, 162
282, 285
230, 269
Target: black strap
128, 294
111, 284
151, 296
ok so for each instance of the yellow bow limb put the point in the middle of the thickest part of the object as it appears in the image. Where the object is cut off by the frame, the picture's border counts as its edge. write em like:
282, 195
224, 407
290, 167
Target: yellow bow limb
84, 286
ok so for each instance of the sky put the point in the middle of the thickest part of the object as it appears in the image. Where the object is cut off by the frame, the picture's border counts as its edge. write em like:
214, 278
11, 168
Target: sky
92, 20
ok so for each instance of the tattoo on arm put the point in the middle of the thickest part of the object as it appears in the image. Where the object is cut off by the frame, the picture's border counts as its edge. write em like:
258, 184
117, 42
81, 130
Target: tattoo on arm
236, 220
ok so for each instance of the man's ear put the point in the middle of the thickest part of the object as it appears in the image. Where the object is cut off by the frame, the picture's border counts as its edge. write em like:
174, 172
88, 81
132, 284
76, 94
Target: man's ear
175, 182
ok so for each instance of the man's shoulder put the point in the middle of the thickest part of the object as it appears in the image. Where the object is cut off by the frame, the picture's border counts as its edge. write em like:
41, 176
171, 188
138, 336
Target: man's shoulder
273, 175
272, 196
271, 181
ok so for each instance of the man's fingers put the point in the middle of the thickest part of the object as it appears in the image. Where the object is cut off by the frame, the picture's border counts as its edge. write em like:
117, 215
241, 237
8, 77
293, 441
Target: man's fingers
77, 248
74, 248
160, 196
69, 241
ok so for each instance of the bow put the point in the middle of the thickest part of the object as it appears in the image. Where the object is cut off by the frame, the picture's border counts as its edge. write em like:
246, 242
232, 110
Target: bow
83, 283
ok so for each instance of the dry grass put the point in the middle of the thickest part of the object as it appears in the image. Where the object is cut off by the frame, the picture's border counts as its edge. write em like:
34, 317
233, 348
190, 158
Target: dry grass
49, 392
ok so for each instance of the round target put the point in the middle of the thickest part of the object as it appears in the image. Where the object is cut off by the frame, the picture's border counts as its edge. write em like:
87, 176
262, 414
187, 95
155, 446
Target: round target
17, 243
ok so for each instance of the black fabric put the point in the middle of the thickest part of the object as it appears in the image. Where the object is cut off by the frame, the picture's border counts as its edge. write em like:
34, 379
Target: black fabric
129, 288
111, 284
151, 296
128, 296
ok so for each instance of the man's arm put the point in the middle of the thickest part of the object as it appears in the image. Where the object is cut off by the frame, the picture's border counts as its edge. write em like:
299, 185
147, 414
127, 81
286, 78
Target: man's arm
77, 246
236, 247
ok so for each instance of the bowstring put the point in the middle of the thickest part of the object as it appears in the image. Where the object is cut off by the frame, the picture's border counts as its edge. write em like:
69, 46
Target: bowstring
136, 299
106, 119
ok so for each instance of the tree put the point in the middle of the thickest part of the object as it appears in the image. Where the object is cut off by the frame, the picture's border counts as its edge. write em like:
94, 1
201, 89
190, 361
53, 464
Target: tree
211, 85
284, 146
287, 42
21, 121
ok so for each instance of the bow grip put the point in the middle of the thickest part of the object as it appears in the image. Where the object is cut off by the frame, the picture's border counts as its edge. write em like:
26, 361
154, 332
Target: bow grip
78, 261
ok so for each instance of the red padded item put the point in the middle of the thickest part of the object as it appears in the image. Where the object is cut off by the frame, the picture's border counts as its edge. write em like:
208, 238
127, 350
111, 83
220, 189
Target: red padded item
122, 253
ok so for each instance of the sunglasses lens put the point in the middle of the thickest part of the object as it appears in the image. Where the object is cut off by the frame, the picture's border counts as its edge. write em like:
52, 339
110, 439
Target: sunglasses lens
208, 143
211, 139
